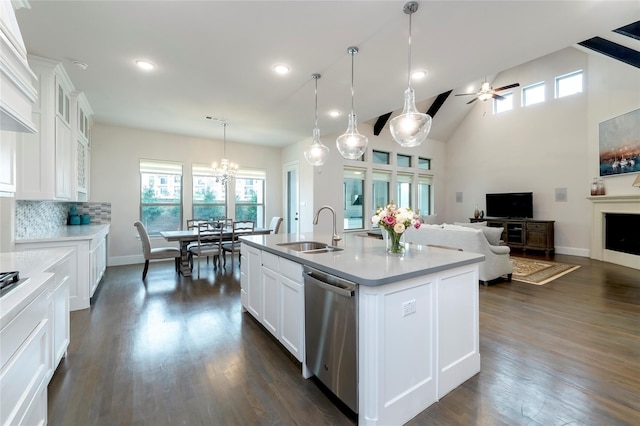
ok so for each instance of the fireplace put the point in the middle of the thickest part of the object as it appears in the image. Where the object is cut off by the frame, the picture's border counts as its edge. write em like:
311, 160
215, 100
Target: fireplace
622, 232
615, 220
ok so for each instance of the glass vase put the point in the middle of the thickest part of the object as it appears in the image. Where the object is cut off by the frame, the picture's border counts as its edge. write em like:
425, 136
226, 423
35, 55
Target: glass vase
395, 242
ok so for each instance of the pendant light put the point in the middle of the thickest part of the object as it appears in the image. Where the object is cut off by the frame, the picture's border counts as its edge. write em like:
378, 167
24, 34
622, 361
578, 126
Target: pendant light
227, 170
352, 144
411, 127
316, 153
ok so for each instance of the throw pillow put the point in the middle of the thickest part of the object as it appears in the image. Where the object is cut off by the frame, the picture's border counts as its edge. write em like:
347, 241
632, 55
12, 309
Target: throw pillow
493, 234
471, 225
431, 219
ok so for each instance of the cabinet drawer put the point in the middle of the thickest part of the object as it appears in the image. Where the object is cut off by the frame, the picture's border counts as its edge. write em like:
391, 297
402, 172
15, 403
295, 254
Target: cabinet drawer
18, 330
269, 260
23, 377
291, 270
536, 227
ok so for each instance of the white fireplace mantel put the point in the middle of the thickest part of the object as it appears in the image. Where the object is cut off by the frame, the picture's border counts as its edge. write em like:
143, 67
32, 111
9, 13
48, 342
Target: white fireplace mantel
601, 205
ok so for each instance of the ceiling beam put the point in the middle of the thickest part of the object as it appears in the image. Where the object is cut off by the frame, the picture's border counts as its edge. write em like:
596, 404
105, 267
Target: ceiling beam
613, 50
438, 103
631, 30
380, 122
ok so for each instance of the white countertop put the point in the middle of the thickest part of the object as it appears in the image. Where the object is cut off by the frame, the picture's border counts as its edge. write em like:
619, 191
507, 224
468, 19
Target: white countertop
364, 260
30, 264
66, 233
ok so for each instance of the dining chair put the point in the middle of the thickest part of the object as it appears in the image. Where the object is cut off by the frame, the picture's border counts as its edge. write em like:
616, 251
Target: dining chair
155, 253
208, 244
239, 228
276, 221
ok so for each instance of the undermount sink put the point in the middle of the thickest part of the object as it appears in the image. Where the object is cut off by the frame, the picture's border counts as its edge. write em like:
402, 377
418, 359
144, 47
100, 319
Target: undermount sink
309, 247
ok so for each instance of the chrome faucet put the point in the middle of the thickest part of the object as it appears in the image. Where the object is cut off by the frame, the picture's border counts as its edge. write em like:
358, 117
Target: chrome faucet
336, 237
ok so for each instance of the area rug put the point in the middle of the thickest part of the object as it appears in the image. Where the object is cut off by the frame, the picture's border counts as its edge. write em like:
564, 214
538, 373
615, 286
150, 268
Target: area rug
539, 272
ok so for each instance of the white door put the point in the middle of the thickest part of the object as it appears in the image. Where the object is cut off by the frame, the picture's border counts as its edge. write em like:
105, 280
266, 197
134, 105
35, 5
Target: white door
291, 191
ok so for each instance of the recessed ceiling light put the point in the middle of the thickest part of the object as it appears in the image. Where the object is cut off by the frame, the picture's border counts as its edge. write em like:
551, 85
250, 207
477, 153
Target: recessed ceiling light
145, 65
281, 69
418, 75
335, 113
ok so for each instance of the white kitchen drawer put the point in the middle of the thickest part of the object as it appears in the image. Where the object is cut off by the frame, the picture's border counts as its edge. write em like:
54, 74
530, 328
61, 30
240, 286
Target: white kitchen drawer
270, 261
291, 270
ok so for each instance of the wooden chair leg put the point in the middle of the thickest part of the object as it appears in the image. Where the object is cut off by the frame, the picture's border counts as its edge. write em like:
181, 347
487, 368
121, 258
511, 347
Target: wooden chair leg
146, 268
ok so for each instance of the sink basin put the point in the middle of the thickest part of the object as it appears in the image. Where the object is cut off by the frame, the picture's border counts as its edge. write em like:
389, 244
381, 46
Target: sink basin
309, 247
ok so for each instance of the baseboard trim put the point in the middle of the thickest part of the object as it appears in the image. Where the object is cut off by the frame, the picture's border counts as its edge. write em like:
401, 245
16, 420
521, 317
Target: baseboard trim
573, 251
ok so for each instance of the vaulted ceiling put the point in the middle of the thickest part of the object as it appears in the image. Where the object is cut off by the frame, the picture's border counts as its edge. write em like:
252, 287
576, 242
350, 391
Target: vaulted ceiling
215, 58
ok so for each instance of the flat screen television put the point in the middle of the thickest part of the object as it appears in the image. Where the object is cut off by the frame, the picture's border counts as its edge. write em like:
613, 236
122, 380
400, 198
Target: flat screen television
510, 204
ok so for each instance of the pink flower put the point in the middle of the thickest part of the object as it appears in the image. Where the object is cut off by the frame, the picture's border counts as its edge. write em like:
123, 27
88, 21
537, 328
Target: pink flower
389, 220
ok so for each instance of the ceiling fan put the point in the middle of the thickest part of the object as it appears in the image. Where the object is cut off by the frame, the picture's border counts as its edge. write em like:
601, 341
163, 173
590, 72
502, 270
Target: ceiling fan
487, 92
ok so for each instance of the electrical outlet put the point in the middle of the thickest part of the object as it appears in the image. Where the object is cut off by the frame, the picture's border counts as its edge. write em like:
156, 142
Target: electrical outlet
409, 307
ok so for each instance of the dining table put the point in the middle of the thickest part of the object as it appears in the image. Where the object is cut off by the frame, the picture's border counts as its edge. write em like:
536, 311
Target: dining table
187, 236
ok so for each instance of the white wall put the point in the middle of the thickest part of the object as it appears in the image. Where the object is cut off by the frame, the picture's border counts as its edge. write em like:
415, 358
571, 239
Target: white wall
542, 147
115, 154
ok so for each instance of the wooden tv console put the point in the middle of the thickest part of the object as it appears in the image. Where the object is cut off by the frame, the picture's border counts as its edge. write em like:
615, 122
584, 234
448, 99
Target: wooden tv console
525, 234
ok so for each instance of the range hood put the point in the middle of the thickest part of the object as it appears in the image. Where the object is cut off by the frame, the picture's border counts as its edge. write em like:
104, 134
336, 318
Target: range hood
17, 90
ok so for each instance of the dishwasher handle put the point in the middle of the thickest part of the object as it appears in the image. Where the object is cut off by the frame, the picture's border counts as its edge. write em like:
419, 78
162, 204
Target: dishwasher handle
346, 292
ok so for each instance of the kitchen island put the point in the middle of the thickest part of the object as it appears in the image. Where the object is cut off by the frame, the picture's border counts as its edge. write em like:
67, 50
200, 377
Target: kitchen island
417, 315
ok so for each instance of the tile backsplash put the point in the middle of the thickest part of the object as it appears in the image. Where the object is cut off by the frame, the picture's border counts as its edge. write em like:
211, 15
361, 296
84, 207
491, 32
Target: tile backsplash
38, 217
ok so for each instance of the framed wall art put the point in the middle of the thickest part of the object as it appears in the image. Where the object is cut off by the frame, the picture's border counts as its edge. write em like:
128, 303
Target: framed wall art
620, 144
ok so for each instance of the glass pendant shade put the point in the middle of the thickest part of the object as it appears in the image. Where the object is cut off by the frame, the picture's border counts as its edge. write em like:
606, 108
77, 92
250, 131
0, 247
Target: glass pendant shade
316, 153
352, 144
411, 127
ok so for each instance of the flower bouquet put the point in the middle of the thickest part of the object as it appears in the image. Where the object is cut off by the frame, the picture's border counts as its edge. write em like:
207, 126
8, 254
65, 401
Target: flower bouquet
395, 220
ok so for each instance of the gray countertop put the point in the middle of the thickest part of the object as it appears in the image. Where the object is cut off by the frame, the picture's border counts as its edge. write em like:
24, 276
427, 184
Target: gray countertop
66, 233
364, 260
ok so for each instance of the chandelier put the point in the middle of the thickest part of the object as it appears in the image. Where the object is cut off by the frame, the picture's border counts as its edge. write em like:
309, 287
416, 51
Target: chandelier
227, 170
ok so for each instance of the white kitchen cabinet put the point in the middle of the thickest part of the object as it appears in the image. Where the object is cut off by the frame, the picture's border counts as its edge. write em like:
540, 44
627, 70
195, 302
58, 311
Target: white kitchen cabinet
254, 283
46, 160
34, 332
60, 308
270, 293
7, 164
280, 288
97, 262
292, 309
25, 361
88, 260
17, 91
81, 123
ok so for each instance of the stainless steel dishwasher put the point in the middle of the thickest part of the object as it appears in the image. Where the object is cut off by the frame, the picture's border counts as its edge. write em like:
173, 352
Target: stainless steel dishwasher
331, 333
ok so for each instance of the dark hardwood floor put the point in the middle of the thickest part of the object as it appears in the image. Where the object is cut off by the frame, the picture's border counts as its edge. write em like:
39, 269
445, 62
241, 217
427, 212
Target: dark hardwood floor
178, 351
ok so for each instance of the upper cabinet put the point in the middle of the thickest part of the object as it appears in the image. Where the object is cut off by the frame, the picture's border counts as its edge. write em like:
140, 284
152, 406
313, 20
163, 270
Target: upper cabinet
81, 125
53, 164
17, 91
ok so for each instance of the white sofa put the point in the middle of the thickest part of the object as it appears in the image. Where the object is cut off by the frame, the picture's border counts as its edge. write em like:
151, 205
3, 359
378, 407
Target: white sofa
497, 263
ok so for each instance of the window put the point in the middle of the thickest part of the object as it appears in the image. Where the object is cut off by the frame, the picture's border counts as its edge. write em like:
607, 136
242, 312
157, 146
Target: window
250, 186
160, 205
209, 196
504, 104
380, 157
424, 195
533, 94
380, 181
404, 190
569, 84
404, 160
424, 163
353, 198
